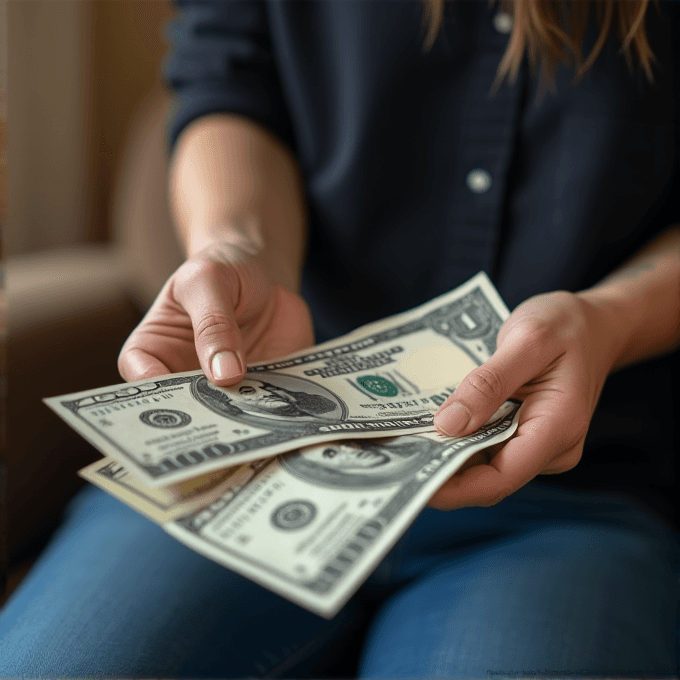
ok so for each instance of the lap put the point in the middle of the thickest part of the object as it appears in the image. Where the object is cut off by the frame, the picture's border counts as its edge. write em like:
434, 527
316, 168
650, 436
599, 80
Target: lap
113, 594
586, 589
544, 581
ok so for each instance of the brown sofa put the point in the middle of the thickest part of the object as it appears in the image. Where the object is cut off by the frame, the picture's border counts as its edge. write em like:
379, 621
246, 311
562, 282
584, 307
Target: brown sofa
70, 310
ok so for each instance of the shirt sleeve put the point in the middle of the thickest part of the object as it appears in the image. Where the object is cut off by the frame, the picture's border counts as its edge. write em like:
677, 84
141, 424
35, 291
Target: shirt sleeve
221, 60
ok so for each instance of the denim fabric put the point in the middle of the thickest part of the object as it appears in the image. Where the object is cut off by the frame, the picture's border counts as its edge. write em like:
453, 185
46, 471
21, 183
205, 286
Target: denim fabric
548, 582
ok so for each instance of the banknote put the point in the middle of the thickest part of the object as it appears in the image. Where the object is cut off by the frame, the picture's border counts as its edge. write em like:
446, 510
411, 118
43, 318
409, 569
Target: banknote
162, 504
386, 378
312, 524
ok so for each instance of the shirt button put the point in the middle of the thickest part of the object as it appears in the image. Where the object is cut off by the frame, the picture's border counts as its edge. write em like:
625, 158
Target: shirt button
478, 180
502, 22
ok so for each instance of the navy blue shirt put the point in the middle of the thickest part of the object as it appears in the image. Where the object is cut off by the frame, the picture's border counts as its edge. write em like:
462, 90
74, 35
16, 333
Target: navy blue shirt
416, 178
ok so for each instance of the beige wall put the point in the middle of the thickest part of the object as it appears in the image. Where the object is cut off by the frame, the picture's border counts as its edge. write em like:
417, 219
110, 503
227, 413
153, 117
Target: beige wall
79, 70
86, 165
49, 123
128, 47
3, 117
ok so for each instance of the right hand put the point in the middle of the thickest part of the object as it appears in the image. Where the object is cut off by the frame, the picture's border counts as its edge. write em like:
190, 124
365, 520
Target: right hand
218, 311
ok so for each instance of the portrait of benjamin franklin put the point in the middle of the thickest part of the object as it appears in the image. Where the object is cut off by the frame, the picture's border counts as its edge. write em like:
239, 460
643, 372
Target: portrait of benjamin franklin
362, 463
267, 399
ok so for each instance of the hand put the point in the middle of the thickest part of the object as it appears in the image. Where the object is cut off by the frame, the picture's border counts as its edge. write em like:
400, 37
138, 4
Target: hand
553, 353
217, 311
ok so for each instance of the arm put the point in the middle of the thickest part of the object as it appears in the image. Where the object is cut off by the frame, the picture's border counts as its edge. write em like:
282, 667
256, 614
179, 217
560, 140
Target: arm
642, 298
238, 202
234, 183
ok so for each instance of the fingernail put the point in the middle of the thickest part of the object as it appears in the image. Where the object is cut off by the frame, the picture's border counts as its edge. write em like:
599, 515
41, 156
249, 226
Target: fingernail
453, 419
225, 365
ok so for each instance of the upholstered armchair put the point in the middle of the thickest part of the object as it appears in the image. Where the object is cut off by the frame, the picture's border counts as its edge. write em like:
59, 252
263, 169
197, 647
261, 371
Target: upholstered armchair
70, 310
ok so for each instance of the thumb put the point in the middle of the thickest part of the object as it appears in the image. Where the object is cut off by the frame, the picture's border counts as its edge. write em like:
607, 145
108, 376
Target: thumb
484, 390
209, 299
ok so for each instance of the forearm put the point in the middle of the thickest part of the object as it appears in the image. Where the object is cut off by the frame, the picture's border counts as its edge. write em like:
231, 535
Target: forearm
233, 182
642, 298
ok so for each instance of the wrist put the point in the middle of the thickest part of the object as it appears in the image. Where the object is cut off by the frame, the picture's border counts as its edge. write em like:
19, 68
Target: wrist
615, 321
232, 246
243, 237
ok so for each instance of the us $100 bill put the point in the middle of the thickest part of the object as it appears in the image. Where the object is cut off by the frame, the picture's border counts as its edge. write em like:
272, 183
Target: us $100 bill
312, 524
386, 378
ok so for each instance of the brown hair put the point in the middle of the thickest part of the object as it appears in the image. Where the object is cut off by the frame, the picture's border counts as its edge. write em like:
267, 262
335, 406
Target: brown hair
537, 29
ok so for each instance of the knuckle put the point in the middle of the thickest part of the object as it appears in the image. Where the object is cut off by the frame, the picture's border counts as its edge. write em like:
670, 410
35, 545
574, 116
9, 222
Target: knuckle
440, 505
210, 325
564, 466
496, 498
565, 461
202, 268
579, 429
537, 332
573, 457
582, 428
197, 272
570, 463
487, 383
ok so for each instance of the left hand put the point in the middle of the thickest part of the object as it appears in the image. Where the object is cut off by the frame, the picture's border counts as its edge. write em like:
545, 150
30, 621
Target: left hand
553, 353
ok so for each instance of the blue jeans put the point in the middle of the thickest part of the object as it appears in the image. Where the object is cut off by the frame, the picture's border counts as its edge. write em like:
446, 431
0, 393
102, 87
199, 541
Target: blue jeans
548, 582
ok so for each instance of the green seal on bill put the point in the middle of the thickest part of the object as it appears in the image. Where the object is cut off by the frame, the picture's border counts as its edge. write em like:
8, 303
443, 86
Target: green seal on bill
378, 385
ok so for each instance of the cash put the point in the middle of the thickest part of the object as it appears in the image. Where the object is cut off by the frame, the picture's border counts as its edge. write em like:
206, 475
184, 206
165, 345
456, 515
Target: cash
305, 474
386, 378
312, 524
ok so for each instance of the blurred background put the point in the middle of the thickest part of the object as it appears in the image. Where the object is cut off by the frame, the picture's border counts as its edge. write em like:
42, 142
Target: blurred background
87, 205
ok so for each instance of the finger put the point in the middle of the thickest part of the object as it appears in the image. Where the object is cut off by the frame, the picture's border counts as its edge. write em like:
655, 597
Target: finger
284, 329
524, 354
481, 457
541, 437
136, 364
209, 294
478, 458
565, 461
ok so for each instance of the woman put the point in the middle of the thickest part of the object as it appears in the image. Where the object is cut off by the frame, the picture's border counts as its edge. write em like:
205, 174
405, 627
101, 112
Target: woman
341, 150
